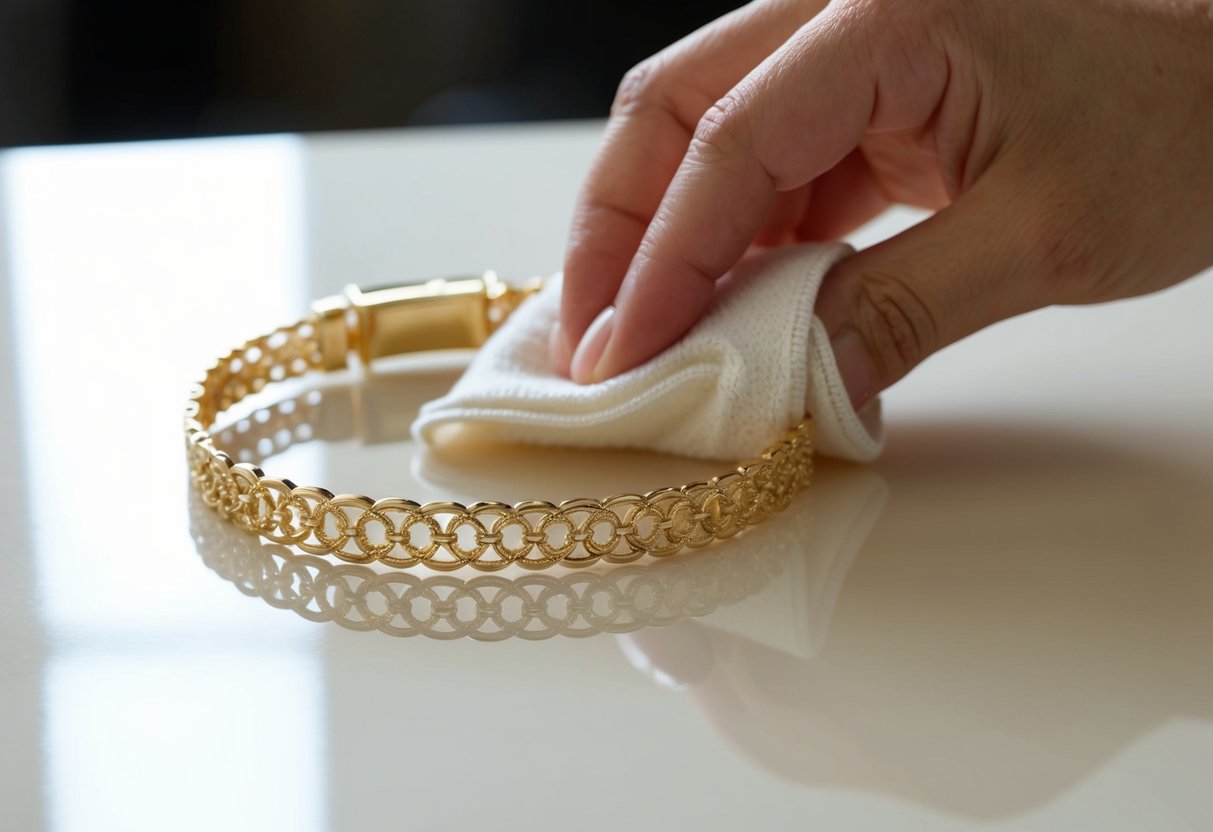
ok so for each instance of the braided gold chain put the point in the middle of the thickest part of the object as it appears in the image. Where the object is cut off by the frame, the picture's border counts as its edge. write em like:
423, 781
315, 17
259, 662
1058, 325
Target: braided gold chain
487, 536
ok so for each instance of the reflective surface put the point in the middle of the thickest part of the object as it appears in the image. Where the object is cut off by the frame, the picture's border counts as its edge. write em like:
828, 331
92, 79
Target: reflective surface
1004, 623
809, 547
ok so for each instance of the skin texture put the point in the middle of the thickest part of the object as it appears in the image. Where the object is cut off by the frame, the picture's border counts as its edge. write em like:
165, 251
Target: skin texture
1065, 147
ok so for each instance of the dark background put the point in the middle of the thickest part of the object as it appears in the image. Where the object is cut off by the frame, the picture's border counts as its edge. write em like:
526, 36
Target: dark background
107, 70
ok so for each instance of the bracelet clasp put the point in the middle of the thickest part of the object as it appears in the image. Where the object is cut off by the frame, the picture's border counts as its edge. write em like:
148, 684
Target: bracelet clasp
441, 314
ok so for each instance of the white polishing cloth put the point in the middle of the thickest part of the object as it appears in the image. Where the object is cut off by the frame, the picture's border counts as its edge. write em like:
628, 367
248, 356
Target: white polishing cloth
748, 371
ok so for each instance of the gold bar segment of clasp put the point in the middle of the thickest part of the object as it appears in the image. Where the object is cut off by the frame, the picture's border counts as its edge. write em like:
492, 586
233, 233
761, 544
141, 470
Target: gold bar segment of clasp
448, 313
436, 315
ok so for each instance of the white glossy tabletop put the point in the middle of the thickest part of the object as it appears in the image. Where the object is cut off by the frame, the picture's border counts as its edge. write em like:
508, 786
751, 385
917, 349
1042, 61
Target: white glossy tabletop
1006, 623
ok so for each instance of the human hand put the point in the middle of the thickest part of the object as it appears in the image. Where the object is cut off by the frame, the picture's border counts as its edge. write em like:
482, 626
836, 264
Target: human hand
1067, 148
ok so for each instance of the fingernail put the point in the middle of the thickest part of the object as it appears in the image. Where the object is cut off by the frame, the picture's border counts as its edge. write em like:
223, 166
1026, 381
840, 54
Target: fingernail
589, 352
855, 366
559, 354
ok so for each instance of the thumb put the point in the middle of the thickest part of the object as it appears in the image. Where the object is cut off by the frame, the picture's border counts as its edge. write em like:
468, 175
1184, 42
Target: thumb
889, 307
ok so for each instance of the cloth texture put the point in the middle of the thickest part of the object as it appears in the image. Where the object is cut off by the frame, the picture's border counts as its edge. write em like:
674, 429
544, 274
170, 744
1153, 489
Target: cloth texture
748, 371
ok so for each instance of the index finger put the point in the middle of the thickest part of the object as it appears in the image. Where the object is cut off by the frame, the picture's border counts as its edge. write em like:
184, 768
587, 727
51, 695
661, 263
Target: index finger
651, 124
792, 118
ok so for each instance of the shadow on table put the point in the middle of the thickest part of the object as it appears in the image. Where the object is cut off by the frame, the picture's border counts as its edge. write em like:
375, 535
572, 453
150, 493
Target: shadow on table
1029, 604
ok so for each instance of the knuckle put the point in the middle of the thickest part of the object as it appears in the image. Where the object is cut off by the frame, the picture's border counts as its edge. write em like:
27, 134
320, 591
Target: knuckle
638, 88
1068, 249
684, 264
884, 10
900, 327
722, 128
1068, 259
1065, 257
856, 13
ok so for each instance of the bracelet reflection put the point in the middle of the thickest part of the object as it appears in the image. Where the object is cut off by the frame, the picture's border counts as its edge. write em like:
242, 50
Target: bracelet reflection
780, 574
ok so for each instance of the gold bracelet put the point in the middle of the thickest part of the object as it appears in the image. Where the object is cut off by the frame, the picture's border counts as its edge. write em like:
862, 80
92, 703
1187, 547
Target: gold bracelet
488, 536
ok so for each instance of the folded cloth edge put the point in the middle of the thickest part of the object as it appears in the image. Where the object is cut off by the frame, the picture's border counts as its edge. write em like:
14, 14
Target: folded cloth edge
813, 385
840, 431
